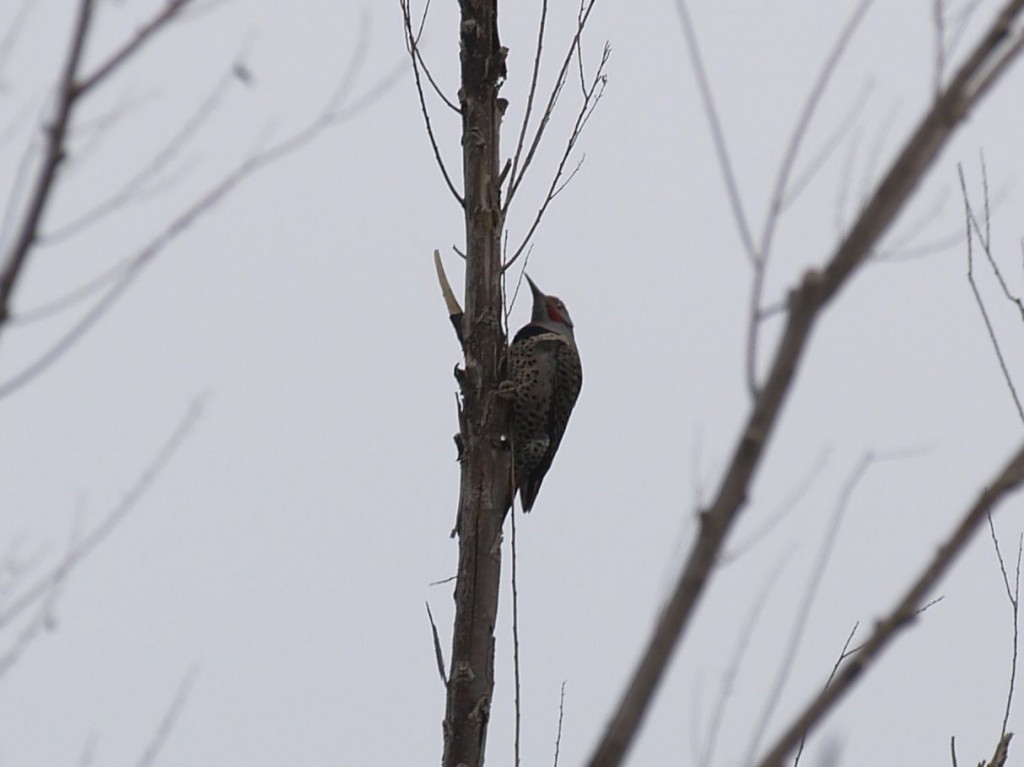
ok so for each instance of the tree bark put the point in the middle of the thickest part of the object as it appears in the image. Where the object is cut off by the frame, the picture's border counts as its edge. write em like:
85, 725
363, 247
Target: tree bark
485, 487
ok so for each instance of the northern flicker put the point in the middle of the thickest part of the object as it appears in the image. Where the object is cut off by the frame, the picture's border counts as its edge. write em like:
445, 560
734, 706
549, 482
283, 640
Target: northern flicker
544, 378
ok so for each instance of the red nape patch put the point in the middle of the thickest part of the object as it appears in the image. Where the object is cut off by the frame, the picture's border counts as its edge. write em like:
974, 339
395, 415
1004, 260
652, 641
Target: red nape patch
554, 315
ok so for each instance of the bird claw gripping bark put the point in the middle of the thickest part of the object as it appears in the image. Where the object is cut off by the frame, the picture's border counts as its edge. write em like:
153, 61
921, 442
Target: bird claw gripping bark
507, 390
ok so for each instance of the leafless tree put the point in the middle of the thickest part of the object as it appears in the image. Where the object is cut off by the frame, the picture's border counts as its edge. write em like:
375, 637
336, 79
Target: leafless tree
485, 489
488, 189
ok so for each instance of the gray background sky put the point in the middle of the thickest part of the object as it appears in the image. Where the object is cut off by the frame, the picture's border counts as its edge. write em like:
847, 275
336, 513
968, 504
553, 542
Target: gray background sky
287, 551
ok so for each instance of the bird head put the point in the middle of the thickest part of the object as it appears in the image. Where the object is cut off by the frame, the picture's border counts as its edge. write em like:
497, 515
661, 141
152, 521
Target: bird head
549, 311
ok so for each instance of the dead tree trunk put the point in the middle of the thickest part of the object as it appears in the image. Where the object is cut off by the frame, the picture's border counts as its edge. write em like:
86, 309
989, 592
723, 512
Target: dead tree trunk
485, 488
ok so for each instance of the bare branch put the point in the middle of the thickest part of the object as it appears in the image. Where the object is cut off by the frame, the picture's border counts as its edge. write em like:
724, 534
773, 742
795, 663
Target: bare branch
45, 585
514, 172
515, 179
902, 615
411, 45
939, 26
561, 712
336, 111
156, 742
829, 147
806, 303
745, 636
158, 23
10, 36
784, 509
971, 227
761, 258
1013, 596
72, 297
518, 702
592, 97
39, 622
843, 654
133, 188
54, 154
717, 132
423, 63
780, 192
804, 613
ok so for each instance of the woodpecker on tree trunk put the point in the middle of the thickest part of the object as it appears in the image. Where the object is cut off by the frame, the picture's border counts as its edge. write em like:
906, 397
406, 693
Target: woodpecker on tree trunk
544, 379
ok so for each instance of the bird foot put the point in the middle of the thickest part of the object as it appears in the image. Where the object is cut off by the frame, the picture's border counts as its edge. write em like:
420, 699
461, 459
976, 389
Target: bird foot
507, 390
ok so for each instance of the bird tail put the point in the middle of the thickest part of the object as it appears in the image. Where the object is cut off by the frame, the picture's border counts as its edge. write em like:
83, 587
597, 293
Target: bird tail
528, 489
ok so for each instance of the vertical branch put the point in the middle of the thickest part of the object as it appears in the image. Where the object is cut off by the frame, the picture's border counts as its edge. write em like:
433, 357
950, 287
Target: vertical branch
485, 491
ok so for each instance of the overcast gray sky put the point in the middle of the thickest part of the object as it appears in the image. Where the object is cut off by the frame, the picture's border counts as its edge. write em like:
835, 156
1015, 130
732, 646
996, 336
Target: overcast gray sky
286, 552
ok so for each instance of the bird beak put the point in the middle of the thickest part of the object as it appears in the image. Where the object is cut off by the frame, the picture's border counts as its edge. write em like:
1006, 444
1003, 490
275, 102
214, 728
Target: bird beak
537, 292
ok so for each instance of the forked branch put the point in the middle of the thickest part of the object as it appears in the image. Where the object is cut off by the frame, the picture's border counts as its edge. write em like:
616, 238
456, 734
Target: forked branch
54, 153
412, 42
72, 87
998, 47
592, 93
518, 171
902, 615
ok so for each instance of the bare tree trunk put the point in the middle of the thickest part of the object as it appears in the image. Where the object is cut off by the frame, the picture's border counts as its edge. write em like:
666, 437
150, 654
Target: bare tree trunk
485, 489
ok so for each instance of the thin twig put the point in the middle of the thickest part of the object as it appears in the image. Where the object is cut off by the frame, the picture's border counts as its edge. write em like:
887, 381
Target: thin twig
10, 35
42, 619
985, 237
845, 187
14, 194
131, 189
817, 576
1013, 596
561, 713
778, 197
1007, 481
939, 27
590, 101
337, 110
423, 63
846, 124
514, 172
411, 43
745, 636
159, 22
981, 303
516, 179
90, 542
717, 132
515, 638
875, 154
72, 297
156, 742
54, 154
843, 654
791, 502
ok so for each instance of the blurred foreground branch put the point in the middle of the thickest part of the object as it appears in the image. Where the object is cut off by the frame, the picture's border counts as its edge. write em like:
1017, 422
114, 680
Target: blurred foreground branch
998, 48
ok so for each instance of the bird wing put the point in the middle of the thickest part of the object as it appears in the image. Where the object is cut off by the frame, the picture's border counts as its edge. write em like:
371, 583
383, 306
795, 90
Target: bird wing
568, 380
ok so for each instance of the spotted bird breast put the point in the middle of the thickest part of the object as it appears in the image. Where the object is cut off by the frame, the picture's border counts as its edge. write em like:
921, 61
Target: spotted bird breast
545, 368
